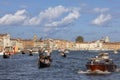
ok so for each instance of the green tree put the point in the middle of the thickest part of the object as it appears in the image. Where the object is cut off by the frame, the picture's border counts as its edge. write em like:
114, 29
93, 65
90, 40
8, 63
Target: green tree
79, 39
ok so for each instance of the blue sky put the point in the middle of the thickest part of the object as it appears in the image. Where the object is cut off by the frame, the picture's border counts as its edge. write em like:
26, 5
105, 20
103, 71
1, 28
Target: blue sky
61, 19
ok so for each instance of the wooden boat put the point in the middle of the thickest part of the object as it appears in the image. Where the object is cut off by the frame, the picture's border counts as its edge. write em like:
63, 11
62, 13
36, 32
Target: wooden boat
6, 55
22, 52
44, 61
102, 62
30, 53
63, 55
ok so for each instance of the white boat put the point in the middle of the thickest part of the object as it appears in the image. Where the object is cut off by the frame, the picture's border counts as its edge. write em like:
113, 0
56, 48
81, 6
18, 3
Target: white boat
1, 53
66, 51
115, 51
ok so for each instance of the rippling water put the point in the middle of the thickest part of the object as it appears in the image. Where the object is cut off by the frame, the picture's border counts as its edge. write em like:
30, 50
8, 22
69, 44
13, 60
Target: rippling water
24, 67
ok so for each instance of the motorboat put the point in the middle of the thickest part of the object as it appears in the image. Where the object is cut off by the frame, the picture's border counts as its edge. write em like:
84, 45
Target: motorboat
102, 62
115, 51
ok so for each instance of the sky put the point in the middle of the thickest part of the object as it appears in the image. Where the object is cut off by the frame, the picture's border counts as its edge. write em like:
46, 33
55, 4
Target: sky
61, 19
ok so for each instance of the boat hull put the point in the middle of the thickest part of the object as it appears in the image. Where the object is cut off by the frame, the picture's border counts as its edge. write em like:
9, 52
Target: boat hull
64, 55
43, 65
101, 67
30, 54
6, 56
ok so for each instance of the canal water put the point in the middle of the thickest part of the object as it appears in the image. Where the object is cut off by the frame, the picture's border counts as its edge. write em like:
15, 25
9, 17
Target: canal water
24, 67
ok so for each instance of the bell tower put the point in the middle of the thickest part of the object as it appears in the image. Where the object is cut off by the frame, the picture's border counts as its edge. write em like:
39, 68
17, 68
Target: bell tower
35, 37
107, 39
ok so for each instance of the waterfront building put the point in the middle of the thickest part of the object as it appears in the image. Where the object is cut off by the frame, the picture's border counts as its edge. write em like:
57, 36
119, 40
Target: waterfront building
70, 45
17, 44
37, 42
82, 46
107, 39
55, 44
62, 44
4, 41
111, 46
27, 43
95, 45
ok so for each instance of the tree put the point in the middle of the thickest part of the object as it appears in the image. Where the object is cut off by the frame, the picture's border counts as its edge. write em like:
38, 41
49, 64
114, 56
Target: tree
79, 39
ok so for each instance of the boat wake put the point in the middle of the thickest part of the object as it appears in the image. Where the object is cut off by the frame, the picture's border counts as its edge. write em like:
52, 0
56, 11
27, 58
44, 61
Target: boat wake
93, 72
117, 70
96, 72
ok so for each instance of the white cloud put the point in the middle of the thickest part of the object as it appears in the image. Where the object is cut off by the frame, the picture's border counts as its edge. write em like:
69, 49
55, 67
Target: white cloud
102, 19
53, 16
13, 19
66, 20
101, 9
47, 15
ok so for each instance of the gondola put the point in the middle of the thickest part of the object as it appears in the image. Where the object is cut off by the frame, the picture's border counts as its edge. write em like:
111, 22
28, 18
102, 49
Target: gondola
22, 52
63, 54
6, 55
30, 54
44, 61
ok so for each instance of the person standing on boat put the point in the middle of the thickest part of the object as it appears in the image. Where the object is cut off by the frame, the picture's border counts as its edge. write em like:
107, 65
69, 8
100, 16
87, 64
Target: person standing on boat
49, 52
30, 52
41, 51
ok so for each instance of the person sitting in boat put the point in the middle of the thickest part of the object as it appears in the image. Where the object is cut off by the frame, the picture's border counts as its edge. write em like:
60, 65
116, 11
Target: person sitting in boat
48, 54
103, 55
103, 58
42, 58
